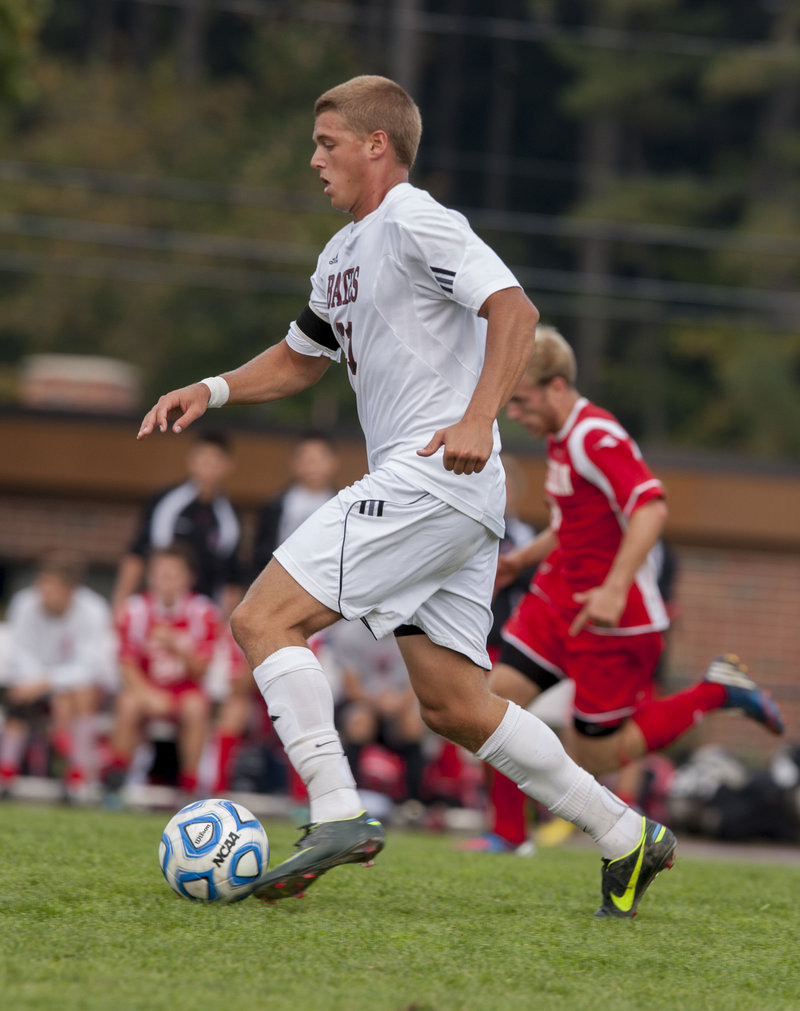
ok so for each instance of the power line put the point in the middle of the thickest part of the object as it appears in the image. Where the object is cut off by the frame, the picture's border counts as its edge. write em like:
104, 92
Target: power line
643, 233
154, 272
193, 190
506, 29
667, 292
644, 300
168, 187
198, 243
169, 240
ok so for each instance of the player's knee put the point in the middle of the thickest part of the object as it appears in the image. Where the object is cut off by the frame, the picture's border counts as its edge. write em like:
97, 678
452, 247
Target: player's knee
193, 706
601, 754
241, 622
128, 707
445, 719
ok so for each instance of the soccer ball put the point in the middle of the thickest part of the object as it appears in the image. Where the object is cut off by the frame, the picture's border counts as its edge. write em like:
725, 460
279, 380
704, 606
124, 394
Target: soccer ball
213, 851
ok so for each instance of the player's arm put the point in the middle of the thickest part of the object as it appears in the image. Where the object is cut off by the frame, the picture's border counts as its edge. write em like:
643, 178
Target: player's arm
603, 605
129, 577
511, 321
276, 373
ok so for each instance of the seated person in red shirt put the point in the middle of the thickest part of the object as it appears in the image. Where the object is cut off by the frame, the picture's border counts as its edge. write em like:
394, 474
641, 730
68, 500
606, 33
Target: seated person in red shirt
167, 638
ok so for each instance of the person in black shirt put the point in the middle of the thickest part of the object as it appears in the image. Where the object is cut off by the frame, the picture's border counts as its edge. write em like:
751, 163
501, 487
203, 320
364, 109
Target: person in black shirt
199, 514
312, 475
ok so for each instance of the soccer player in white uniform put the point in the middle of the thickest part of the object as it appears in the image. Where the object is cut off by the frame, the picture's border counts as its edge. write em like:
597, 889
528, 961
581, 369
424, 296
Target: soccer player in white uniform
435, 333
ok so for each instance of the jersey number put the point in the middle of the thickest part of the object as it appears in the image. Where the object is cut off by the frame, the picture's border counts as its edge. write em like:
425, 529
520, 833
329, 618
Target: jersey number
346, 333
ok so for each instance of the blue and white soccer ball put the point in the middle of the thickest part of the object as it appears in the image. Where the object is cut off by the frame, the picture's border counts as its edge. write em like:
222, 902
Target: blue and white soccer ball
214, 851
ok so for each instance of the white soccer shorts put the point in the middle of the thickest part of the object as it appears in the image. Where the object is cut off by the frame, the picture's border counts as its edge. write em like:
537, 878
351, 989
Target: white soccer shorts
394, 555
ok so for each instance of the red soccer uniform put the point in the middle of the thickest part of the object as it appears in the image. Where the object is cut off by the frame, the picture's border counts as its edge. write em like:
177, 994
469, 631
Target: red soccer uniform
596, 478
194, 617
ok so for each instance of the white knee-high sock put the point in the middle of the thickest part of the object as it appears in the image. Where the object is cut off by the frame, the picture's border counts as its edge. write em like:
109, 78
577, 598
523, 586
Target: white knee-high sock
300, 704
526, 750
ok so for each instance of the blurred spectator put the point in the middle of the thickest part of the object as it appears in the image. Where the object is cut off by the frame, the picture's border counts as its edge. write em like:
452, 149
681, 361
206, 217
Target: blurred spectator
312, 482
714, 793
312, 470
196, 513
167, 635
59, 651
517, 533
377, 706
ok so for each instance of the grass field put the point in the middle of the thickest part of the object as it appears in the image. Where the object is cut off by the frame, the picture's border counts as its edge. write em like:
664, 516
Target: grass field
87, 922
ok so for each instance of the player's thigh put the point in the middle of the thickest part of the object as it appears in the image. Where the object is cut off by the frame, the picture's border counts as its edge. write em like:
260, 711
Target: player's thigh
598, 755
610, 752
276, 607
129, 708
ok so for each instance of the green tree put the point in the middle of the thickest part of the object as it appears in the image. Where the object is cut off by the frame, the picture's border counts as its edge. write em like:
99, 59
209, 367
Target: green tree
20, 21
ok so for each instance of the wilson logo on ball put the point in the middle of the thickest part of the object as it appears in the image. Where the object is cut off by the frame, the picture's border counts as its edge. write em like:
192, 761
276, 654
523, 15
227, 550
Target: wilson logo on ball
202, 835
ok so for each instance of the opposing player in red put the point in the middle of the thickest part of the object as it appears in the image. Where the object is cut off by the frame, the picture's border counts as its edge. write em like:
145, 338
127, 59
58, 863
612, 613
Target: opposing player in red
593, 612
167, 636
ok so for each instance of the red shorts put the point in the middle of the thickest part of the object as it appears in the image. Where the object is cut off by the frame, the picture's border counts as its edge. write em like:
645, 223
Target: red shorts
178, 690
613, 674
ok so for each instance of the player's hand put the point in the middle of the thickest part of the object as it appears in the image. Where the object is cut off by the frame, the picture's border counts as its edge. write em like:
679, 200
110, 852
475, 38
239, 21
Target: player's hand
507, 571
602, 607
467, 446
181, 407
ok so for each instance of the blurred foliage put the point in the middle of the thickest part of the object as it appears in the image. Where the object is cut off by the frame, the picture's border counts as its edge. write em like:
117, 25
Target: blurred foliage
244, 130
20, 23
157, 205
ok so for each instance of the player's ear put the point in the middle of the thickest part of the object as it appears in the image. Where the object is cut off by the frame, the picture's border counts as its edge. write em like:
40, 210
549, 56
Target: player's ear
378, 143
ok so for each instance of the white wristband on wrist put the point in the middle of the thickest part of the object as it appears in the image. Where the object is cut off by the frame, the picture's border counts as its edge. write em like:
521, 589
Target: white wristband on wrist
219, 390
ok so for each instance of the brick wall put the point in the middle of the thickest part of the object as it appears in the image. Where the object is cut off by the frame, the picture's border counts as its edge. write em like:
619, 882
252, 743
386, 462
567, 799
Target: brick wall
31, 525
745, 602
100, 531
730, 600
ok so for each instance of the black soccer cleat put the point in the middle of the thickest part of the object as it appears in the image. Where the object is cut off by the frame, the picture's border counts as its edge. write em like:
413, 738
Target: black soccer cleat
625, 879
323, 845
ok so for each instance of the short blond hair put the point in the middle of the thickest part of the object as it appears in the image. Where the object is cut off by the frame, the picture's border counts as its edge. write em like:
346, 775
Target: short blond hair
368, 103
551, 357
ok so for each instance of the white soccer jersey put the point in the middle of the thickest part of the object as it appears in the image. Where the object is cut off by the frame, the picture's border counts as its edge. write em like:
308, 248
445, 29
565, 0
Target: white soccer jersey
401, 290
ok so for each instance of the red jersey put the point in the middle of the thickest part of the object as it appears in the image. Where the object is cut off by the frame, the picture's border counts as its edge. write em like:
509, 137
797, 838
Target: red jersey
194, 617
596, 479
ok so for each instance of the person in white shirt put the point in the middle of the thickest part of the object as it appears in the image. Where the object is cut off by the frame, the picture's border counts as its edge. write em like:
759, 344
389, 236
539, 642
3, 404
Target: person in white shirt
59, 653
435, 332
